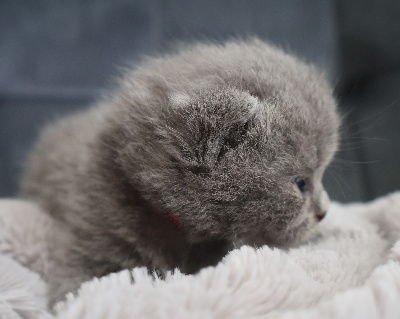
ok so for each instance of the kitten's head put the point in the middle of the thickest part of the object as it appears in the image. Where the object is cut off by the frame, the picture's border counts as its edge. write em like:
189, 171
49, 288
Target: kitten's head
227, 164
239, 156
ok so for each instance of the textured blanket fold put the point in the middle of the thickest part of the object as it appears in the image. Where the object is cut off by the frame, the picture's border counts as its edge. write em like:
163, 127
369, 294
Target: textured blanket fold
350, 269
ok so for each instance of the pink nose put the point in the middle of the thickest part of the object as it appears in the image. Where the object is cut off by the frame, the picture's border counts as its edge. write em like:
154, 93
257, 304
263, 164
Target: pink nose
320, 215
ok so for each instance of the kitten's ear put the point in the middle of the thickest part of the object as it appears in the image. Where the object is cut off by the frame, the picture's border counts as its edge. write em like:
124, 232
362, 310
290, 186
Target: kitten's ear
205, 125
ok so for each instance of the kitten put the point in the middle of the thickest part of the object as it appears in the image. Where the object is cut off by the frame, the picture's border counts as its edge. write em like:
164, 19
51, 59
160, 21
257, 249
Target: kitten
200, 150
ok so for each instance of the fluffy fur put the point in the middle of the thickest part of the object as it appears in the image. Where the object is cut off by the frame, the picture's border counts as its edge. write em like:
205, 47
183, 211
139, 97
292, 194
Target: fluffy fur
23, 259
349, 269
199, 152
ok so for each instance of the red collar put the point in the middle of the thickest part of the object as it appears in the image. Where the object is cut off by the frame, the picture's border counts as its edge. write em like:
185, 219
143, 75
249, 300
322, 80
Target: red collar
173, 219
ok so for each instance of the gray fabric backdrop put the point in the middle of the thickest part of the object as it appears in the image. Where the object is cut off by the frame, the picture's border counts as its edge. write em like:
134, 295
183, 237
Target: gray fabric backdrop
59, 56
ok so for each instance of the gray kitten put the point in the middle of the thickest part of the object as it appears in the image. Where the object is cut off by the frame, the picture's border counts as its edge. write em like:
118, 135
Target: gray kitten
215, 146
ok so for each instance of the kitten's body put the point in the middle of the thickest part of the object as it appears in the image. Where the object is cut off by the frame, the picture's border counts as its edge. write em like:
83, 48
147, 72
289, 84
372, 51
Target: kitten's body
198, 150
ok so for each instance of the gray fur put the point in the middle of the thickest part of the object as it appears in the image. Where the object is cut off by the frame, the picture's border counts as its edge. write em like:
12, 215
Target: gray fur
215, 135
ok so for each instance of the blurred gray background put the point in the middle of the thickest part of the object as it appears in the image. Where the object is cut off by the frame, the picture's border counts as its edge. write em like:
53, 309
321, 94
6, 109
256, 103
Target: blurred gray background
59, 56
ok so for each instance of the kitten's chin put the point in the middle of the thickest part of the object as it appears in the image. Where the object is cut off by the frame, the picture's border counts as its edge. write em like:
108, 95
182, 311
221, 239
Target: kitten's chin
291, 237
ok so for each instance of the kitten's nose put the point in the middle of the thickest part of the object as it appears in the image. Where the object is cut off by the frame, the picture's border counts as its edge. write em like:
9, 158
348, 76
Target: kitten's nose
322, 207
320, 215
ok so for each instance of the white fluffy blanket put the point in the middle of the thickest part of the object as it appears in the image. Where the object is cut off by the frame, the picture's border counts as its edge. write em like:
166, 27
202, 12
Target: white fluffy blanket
351, 269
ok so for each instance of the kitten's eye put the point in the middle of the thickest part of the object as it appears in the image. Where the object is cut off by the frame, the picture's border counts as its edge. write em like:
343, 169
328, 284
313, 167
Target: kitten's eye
301, 184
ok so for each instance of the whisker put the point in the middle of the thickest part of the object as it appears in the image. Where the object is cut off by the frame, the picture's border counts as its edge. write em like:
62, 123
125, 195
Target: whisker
337, 181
